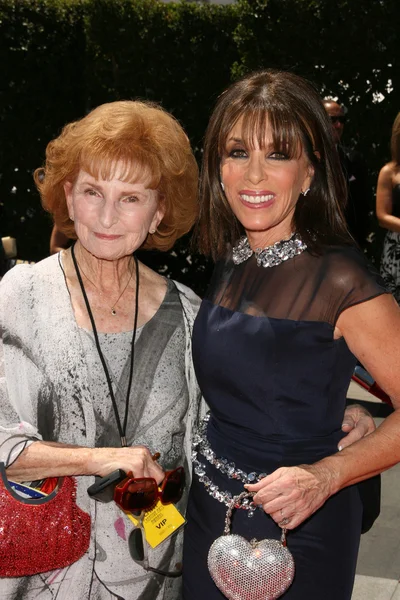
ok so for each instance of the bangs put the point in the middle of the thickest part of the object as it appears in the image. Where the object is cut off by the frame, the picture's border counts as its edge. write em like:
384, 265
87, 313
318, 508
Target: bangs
257, 124
103, 161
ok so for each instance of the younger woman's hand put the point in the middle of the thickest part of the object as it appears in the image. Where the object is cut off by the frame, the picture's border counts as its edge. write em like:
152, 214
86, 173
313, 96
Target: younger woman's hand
292, 494
357, 423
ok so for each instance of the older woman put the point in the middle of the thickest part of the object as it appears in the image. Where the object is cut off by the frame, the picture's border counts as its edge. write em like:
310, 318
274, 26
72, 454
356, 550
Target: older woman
96, 347
388, 213
291, 305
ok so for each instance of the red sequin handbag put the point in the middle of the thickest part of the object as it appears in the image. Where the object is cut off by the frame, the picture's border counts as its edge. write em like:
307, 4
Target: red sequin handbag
39, 535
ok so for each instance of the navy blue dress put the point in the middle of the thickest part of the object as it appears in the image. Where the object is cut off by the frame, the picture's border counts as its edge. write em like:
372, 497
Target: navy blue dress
276, 381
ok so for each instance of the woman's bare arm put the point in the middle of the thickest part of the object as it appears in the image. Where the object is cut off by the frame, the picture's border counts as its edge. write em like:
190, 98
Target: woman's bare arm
51, 459
384, 203
372, 332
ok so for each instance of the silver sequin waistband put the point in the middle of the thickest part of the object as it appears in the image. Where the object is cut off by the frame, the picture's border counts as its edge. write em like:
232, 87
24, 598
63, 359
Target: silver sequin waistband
201, 445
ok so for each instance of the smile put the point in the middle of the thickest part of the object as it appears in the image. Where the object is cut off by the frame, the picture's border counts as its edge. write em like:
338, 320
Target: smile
105, 236
257, 199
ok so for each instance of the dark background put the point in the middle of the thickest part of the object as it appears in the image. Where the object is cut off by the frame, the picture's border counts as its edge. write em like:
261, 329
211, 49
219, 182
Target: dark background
60, 58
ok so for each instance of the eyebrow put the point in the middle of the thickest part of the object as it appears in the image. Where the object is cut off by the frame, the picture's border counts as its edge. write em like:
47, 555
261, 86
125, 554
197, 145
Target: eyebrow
92, 183
241, 141
97, 185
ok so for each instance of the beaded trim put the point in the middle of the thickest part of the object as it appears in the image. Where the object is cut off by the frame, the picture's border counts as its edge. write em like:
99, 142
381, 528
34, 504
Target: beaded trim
271, 256
200, 445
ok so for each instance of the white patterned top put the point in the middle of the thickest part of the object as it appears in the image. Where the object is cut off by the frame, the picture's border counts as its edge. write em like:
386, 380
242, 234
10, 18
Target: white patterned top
52, 387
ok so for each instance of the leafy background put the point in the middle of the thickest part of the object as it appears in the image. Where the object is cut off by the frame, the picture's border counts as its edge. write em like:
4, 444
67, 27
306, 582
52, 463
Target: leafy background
60, 58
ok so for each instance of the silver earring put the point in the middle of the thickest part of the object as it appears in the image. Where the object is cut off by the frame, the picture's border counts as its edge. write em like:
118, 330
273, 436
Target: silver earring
71, 219
151, 231
222, 185
305, 192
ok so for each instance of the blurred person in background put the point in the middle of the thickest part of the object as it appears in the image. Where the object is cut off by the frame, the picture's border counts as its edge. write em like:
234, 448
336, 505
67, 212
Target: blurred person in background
58, 240
359, 197
388, 213
3, 257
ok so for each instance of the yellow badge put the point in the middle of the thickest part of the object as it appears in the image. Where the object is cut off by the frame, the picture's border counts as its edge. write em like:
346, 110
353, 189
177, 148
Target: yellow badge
160, 522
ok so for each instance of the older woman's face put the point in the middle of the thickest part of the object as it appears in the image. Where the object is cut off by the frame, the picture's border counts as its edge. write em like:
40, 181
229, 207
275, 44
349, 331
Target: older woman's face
262, 185
112, 217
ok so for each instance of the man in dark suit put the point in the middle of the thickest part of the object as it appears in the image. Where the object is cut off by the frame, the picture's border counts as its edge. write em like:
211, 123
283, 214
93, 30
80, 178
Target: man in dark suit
359, 198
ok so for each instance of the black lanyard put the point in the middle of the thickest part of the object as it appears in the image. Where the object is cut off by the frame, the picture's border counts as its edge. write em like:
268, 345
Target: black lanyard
121, 429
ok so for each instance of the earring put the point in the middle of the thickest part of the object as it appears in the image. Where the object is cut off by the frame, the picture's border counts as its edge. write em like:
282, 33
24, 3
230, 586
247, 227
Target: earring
305, 192
222, 186
71, 219
151, 231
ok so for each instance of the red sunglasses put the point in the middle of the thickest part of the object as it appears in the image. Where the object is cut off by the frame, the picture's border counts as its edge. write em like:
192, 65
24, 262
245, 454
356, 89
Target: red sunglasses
142, 493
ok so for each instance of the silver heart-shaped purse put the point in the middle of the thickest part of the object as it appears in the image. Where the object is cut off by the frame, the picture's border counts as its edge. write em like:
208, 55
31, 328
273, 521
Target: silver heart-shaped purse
252, 570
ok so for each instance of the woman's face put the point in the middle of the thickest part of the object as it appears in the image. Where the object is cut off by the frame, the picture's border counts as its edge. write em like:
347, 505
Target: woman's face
262, 186
112, 217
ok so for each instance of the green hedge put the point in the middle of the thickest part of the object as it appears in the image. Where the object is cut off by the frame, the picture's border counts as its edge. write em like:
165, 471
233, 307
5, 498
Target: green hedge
60, 58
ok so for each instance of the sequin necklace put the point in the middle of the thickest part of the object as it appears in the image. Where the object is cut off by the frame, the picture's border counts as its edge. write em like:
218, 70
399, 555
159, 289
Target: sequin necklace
121, 427
271, 256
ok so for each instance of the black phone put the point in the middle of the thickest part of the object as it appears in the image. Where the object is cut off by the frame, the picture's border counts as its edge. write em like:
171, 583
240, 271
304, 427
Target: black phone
103, 488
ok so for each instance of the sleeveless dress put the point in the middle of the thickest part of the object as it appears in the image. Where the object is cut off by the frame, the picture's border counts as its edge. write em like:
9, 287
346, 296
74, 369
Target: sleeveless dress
275, 380
390, 262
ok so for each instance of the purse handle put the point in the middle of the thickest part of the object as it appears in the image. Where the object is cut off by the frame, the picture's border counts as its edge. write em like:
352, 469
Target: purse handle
23, 439
235, 503
5, 487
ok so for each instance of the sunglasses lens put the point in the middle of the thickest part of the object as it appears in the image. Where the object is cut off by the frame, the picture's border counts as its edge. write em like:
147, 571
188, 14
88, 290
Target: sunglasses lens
141, 494
135, 543
173, 486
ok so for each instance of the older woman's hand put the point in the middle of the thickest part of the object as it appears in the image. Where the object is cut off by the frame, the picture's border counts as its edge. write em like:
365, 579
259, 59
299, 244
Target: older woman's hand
137, 459
292, 494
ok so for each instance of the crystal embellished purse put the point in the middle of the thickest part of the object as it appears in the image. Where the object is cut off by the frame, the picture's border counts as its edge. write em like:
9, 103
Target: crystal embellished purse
255, 570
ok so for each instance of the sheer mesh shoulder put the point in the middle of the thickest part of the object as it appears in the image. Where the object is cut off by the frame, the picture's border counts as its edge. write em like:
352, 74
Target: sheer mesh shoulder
304, 288
354, 278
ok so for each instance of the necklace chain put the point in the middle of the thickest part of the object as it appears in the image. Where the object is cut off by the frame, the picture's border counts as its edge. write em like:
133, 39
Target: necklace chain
271, 256
112, 308
121, 427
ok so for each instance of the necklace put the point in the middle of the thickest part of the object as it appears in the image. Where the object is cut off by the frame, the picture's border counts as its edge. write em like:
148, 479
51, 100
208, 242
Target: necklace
112, 308
121, 428
271, 256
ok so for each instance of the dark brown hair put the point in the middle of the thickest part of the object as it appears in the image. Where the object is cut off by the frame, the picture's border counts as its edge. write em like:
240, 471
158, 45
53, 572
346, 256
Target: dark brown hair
395, 141
291, 106
147, 140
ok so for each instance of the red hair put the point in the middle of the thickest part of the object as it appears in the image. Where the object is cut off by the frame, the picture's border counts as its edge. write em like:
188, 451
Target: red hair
142, 136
